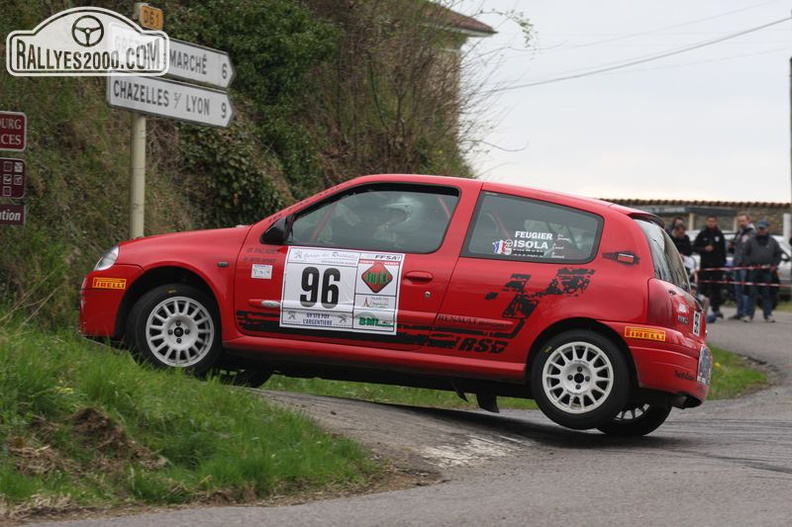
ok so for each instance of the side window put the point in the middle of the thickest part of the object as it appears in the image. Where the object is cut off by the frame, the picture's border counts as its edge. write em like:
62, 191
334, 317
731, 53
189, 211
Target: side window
513, 228
383, 217
667, 261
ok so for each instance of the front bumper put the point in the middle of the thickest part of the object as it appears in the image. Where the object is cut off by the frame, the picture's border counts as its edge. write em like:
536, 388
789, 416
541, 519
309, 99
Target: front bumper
101, 297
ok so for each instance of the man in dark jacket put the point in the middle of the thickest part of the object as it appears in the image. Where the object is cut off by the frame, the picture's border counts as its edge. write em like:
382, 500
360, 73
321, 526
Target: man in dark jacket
763, 254
681, 239
711, 245
745, 231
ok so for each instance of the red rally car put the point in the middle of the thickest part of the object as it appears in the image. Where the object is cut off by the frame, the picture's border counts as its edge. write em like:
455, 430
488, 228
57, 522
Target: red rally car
426, 281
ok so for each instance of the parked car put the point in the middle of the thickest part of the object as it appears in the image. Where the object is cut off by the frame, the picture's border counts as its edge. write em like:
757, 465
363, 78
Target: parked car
435, 282
784, 269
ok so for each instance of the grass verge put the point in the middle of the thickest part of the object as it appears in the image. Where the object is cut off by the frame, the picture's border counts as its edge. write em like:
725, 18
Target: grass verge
784, 306
733, 375
83, 427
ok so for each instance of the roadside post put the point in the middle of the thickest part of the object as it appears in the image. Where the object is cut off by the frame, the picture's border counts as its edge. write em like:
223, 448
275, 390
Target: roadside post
201, 99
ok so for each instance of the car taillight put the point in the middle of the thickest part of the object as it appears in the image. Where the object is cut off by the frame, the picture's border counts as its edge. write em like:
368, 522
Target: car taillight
661, 308
673, 308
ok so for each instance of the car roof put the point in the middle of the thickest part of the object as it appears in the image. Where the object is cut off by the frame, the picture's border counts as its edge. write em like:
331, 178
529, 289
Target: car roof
506, 188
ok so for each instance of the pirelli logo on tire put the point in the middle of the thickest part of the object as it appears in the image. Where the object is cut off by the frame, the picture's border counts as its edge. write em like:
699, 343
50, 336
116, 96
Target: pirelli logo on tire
632, 332
109, 283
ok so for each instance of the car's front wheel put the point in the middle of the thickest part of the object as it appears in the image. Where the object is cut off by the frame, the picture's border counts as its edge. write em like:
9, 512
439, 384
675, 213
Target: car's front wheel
176, 326
635, 421
580, 379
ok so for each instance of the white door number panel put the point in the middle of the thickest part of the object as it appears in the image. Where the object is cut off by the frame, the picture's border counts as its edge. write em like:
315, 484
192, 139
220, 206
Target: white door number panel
341, 290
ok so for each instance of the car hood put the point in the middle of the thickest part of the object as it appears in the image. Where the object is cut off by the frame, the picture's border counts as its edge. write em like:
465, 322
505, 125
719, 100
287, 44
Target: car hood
217, 243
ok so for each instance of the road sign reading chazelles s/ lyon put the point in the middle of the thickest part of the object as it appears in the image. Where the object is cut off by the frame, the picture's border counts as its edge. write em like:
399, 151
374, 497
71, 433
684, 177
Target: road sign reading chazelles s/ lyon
165, 98
191, 62
13, 131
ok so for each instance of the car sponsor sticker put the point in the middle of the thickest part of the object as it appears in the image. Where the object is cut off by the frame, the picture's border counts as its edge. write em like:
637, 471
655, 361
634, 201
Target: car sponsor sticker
108, 283
261, 272
632, 332
704, 373
341, 290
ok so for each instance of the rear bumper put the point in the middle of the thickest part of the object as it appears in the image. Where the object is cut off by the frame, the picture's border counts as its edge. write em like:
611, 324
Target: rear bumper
667, 361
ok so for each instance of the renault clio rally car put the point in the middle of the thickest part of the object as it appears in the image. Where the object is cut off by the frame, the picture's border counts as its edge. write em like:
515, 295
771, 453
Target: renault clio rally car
425, 281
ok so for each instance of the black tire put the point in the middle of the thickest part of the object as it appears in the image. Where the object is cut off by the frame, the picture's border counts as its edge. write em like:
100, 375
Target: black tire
176, 326
249, 377
580, 379
636, 421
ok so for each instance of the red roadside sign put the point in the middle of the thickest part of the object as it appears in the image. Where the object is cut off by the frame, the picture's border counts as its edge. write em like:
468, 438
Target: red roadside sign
12, 214
13, 131
12, 178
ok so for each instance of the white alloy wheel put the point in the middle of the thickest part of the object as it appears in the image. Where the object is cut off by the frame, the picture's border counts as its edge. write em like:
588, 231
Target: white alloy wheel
179, 332
577, 377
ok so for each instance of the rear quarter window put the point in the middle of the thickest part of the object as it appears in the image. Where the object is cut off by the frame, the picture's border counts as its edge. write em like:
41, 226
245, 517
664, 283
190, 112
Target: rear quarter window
514, 228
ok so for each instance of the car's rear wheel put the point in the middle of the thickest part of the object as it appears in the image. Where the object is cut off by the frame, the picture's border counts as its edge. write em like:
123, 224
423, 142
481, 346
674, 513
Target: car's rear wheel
580, 379
636, 421
176, 326
248, 377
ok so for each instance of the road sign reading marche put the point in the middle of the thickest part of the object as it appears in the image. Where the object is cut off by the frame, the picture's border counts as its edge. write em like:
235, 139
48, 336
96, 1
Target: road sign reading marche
165, 98
192, 62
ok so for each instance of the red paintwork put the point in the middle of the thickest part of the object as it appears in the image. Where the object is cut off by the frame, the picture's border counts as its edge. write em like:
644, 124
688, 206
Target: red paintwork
617, 296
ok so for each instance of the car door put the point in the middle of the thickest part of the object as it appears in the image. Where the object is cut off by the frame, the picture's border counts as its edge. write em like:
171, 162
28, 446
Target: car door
365, 266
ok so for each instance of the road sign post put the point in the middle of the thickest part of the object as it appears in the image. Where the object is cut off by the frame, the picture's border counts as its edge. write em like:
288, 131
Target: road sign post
171, 99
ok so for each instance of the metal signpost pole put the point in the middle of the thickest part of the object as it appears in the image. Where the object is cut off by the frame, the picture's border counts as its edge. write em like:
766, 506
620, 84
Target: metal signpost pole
137, 167
137, 176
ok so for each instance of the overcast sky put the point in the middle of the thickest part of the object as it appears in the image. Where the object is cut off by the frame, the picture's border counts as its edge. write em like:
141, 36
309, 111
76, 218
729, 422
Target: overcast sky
711, 123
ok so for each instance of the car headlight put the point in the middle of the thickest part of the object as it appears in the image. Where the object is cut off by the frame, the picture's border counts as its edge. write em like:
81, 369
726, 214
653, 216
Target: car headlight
107, 260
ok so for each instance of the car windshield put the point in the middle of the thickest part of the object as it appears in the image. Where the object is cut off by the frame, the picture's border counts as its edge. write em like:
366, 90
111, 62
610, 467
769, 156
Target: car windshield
668, 264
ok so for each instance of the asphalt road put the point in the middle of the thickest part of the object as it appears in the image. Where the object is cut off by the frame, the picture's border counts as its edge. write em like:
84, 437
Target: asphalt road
722, 464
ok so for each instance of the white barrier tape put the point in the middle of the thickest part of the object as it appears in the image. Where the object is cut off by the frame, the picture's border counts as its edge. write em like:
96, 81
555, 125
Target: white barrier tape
734, 282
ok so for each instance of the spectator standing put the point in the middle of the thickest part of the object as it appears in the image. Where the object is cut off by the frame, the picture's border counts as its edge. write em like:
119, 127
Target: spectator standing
677, 220
711, 245
763, 253
745, 231
681, 239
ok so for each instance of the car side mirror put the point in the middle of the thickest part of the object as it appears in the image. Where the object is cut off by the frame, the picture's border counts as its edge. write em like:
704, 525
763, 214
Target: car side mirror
278, 232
